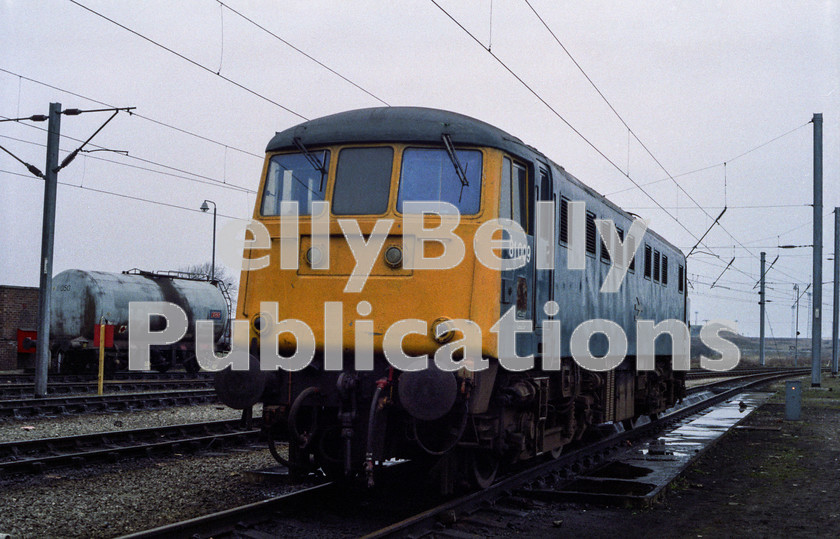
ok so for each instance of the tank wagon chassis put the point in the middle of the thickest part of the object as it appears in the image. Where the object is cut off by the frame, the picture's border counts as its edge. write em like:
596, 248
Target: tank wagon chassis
465, 425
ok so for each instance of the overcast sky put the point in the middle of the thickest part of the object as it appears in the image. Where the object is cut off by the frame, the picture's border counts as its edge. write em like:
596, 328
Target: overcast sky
699, 83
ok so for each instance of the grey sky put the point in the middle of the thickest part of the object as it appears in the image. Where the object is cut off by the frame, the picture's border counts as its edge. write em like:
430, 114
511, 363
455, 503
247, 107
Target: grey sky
698, 82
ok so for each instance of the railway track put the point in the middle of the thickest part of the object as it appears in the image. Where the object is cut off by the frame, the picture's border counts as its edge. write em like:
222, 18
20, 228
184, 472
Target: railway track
21, 390
23, 378
696, 374
41, 454
567, 466
29, 378
20, 408
267, 518
22, 385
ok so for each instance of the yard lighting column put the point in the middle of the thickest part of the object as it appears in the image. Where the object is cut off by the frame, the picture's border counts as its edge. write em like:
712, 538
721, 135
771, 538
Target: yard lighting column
205, 207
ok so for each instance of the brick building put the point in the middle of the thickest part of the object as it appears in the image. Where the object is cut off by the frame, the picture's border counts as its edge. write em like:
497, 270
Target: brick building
18, 310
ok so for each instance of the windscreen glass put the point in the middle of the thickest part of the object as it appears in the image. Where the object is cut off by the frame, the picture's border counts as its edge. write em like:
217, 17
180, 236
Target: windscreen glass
431, 175
363, 181
295, 177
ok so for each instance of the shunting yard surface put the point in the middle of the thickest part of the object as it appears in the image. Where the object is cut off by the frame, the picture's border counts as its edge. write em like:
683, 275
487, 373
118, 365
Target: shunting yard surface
642, 475
765, 478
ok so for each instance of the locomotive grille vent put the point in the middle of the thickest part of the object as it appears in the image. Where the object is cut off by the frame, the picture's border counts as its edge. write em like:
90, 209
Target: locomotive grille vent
590, 232
564, 220
632, 265
656, 265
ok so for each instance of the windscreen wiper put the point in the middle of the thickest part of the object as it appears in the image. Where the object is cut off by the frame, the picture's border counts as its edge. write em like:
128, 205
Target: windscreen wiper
316, 163
459, 170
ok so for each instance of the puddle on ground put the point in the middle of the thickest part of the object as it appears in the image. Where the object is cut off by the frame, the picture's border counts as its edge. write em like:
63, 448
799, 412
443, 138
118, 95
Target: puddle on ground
642, 473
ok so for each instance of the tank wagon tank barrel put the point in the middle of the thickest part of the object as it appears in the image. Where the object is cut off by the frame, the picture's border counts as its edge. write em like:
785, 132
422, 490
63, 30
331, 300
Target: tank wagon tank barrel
81, 299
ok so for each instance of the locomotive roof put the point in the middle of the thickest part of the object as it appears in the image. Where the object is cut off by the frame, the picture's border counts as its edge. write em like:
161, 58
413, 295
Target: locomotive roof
395, 124
417, 125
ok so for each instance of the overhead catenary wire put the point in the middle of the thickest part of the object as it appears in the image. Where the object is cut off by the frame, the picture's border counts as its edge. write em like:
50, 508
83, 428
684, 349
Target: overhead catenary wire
135, 114
718, 164
221, 36
641, 143
296, 49
191, 61
122, 195
253, 154
562, 118
744, 207
597, 150
192, 176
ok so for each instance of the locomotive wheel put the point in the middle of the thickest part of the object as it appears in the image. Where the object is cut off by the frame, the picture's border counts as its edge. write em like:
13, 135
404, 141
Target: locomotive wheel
484, 466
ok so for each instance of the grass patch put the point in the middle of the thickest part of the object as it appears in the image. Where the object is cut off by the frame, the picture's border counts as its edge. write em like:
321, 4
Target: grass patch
782, 467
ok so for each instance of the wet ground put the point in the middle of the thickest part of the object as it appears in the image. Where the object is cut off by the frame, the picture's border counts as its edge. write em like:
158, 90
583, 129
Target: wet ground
767, 478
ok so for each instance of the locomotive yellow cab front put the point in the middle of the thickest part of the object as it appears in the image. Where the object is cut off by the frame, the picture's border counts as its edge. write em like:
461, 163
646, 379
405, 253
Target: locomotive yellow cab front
365, 251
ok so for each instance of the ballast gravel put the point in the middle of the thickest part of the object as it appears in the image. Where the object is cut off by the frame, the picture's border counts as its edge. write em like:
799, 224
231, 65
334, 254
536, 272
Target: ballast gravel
108, 500
121, 498
74, 425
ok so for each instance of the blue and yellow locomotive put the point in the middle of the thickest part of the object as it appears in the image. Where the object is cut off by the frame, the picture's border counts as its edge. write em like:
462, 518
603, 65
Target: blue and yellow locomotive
370, 165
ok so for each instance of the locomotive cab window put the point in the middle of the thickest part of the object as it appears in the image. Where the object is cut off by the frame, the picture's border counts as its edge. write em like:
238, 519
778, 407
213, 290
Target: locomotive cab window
430, 175
363, 181
681, 279
295, 177
515, 198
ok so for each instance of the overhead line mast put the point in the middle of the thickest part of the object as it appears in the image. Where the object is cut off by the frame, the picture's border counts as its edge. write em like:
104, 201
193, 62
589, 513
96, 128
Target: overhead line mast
816, 323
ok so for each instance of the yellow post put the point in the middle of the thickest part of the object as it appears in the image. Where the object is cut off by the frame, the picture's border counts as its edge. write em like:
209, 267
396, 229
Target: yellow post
101, 355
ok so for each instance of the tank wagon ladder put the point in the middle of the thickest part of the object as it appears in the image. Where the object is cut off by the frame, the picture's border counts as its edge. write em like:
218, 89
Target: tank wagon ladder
226, 294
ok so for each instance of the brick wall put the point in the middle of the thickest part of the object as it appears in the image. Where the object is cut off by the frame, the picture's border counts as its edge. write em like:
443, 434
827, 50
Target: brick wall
18, 310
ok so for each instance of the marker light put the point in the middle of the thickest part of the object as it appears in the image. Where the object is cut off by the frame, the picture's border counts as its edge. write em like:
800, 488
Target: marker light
313, 256
393, 256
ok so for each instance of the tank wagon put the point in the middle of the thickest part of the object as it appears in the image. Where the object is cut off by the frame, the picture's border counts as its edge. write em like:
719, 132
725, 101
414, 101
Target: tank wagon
367, 164
82, 299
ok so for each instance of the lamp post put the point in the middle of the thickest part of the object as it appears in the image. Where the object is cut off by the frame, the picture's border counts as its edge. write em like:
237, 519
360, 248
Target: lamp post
205, 207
